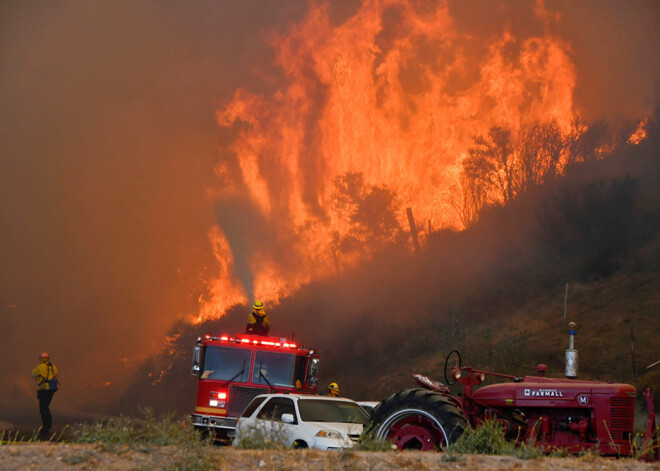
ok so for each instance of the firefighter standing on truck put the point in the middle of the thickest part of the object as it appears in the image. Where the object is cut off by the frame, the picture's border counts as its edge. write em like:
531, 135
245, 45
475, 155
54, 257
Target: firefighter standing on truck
333, 390
258, 322
46, 375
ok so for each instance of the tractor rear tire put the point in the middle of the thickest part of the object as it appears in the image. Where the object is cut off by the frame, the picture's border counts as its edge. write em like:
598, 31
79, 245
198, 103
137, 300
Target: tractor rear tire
417, 419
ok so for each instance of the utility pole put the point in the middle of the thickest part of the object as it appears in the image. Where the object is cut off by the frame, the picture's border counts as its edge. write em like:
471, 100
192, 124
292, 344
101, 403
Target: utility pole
413, 229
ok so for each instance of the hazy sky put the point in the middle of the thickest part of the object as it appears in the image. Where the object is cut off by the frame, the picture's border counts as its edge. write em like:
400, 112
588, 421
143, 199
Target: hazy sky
108, 142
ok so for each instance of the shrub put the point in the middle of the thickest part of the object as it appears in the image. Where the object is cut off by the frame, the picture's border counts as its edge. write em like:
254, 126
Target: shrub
368, 442
488, 439
127, 433
269, 435
186, 448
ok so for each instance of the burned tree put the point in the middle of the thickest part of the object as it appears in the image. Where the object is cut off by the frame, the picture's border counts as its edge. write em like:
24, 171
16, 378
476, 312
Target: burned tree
370, 211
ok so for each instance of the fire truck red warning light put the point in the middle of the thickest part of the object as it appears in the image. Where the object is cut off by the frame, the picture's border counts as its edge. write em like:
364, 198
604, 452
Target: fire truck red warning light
254, 340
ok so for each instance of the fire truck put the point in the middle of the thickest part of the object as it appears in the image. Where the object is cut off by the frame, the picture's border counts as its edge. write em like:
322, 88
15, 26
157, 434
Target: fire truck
232, 370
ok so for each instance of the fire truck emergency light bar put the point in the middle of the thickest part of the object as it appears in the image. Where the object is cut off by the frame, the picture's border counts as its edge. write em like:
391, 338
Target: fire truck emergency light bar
250, 339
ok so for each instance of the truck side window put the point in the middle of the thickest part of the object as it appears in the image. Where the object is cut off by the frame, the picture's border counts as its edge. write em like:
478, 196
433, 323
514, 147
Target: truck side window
256, 402
277, 406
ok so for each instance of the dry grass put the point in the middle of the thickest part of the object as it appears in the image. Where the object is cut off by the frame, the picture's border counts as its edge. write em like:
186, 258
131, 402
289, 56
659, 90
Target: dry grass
92, 457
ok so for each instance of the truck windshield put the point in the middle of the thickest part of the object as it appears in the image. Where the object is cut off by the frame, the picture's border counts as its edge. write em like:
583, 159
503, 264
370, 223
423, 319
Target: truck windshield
226, 364
320, 410
278, 369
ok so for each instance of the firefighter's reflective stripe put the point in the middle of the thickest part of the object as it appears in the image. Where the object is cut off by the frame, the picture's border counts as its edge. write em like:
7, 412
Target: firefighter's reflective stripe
212, 410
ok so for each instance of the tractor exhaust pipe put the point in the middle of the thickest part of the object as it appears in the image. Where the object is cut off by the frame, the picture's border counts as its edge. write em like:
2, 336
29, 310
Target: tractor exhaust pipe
571, 353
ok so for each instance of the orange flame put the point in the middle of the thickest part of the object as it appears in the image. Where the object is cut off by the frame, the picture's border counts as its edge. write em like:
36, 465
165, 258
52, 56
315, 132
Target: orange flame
640, 133
399, 104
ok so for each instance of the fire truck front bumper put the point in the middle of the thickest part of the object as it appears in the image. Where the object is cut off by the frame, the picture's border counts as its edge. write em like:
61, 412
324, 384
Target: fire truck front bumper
210, 421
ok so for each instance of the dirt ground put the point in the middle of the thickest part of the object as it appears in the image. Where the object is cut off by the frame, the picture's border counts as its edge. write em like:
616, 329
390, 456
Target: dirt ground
63, 456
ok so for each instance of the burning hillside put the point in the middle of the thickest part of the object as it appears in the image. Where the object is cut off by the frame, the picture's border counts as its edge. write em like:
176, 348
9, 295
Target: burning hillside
395, 93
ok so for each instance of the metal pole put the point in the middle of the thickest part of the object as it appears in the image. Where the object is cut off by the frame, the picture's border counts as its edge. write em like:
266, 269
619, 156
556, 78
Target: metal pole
565, 302
632, 354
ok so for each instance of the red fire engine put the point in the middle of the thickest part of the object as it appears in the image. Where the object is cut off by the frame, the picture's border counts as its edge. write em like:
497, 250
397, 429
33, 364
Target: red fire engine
232, 370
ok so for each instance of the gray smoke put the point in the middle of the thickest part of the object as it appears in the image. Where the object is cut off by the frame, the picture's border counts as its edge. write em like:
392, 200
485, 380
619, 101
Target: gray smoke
245, 228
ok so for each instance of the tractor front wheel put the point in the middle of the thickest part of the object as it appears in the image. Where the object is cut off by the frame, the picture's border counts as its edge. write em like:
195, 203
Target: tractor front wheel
417, 419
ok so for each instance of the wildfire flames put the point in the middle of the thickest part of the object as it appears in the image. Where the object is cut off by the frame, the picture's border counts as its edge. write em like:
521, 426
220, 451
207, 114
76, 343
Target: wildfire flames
396, 93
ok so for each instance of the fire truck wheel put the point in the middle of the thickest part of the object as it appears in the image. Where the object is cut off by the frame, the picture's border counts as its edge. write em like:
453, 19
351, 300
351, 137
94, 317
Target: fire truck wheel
417, 419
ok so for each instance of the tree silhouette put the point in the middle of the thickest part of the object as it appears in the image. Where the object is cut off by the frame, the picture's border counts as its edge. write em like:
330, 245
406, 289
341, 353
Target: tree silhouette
370, 211
499, 166
491, 160
583, 141
539, 148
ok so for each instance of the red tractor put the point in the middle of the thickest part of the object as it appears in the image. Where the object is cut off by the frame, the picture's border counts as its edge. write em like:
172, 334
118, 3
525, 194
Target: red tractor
232, 370
553, 413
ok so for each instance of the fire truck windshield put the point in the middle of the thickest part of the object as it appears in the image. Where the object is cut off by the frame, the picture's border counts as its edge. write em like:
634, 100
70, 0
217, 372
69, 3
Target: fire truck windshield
226, 364
278, 369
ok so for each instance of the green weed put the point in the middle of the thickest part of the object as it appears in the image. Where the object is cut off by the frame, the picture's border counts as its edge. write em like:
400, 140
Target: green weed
186, 446
13, 438
368, 442
639, 451
8, 437
488, 439
559, 453
124, 434
450, 457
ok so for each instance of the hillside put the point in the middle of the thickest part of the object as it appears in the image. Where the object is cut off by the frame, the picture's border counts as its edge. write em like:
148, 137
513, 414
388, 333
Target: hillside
495, 291
522, 331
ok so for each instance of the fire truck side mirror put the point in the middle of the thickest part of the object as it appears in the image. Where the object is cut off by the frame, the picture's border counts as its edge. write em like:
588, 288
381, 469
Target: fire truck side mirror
197, 353
312, 372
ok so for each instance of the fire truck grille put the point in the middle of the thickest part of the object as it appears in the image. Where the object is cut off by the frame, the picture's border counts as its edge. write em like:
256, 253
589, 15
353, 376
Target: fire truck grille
622, 413
240, 397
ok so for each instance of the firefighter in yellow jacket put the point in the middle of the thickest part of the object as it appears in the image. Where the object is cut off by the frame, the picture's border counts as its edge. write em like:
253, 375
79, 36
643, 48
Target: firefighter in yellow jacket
46, 375
333, 390
258, 322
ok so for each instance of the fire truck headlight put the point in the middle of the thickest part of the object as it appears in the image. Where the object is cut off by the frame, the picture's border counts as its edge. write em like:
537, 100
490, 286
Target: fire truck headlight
328, 434
218, 399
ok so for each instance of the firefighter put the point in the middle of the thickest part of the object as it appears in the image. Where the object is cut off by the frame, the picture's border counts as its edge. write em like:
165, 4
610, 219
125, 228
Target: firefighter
47, 383
333, 390
258, 322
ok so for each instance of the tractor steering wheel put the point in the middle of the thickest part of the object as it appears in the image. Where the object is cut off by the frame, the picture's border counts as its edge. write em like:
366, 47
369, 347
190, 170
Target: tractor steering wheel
452, 361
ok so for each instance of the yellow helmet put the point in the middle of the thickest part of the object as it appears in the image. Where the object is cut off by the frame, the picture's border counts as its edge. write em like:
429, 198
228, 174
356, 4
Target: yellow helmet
258, 305
333, 388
